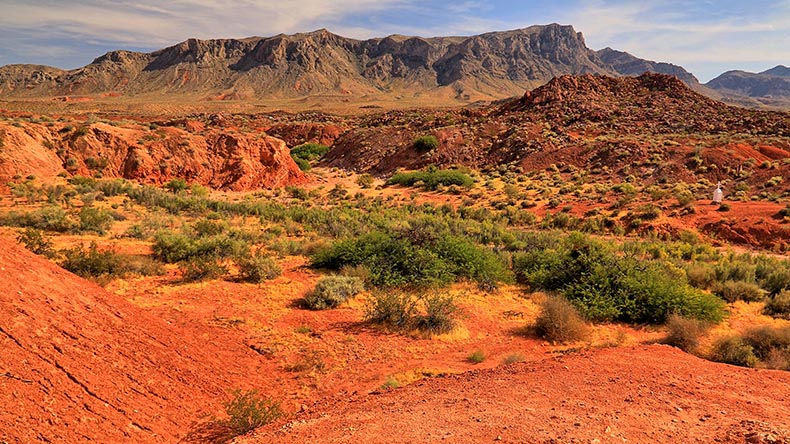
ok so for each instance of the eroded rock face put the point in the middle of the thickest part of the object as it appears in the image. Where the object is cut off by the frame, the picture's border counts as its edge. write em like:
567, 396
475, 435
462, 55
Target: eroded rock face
214, 158
298, 133
489, 66
22, 152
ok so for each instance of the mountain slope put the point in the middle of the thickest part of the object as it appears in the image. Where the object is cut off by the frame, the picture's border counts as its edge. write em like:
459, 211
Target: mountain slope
770, 87
488, 66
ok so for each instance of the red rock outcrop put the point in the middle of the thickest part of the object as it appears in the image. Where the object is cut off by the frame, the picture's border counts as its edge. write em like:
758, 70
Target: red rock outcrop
215, 158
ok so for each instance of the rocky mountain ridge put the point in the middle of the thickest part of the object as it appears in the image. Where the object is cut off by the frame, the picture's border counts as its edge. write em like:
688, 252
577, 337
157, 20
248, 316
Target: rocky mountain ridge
483, 67
770, 87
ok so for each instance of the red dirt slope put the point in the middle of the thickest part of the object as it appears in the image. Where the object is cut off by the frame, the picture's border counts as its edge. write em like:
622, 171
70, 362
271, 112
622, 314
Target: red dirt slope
78, 364
647, 394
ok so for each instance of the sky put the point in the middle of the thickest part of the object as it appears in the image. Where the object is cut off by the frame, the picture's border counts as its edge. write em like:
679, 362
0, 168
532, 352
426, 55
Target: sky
705, 37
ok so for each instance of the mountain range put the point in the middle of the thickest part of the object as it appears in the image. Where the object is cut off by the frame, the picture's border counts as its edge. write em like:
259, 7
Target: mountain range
456, 70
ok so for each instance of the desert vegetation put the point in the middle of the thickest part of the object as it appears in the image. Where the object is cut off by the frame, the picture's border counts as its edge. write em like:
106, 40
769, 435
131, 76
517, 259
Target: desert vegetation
409, 251
503, 235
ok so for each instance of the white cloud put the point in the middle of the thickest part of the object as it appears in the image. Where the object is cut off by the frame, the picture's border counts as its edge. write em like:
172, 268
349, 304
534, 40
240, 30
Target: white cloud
700, 35
133, 22
701, 44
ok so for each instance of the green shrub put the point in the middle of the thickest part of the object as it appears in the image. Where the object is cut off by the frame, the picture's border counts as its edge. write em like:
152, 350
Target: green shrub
257, 267
95, 219
732, 291
766, 340
202, 268
176, 185
700, 275
309, 151
37, 242
208, 227
431, 178
173, 247
513, 358
331, 291
303, 164
733, 350
391, 309
425, 143
559, 322
297, 192
422, 256
684, 333
48, 218
246, 411
365, 181
432, 313
92, 263
779, 305
777, 280
476, 357
439, 316
606, 286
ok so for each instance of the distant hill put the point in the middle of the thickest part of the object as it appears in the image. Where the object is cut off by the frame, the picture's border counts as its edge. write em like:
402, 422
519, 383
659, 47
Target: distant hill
490, 66
770, 87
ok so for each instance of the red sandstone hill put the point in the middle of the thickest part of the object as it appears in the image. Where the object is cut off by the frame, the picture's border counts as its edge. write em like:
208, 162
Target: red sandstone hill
78, 364
650, 127
217, 157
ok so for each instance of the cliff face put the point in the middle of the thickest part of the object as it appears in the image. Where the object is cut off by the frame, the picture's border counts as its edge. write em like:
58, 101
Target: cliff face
213, 157
488, 66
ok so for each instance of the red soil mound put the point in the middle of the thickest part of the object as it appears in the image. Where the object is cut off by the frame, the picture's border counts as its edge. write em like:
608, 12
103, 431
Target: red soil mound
643, 394
79, 364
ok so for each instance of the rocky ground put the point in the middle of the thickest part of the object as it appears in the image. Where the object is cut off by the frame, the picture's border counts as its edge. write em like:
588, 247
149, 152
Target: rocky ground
632, 394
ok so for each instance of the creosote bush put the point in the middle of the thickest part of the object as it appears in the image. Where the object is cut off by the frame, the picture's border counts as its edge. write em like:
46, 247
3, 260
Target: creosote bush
257, 267
779, 305
476, 357
439, 315
171, 247
246, 411
733, 350
202, 268
95, 219
767, 340
430, 313
331, 291
684, 333
560, 322
94, 263
732, 291
37, 242
431, 178
49, 218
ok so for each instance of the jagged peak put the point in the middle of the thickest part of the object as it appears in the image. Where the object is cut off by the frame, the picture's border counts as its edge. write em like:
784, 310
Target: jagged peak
117, 56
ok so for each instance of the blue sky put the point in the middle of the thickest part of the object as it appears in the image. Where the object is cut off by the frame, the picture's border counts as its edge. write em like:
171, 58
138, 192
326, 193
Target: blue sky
705, 37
